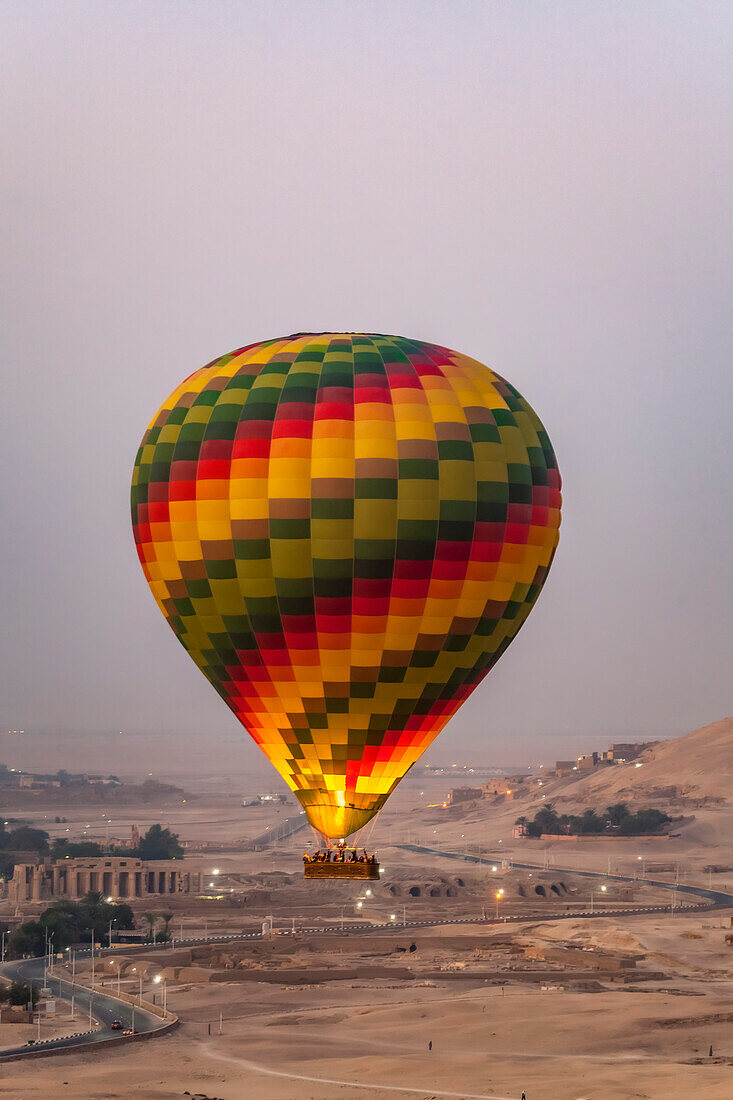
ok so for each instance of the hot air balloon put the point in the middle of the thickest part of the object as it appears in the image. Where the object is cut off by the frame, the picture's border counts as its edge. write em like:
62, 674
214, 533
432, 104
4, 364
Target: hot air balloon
345, 531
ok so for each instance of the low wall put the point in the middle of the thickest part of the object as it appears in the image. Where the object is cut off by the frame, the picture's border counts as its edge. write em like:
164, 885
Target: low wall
14, 1015
169, 1022
595, 837
114, 1040
310, 977
128, 998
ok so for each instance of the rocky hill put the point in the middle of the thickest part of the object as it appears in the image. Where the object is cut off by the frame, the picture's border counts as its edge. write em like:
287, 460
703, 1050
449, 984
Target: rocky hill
698, 766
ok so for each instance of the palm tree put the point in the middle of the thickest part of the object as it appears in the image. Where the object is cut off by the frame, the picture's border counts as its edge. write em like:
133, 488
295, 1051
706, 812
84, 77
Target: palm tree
152, 919
617, 812
167, 917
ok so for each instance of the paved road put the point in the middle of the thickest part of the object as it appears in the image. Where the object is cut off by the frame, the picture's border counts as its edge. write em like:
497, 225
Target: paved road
284, 829
718, 897
104, 1009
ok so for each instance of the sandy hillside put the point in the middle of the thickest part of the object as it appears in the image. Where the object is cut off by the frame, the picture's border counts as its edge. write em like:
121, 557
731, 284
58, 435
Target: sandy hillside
698, 764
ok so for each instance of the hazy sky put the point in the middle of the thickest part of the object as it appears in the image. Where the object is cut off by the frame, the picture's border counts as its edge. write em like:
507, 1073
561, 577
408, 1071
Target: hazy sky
544, 186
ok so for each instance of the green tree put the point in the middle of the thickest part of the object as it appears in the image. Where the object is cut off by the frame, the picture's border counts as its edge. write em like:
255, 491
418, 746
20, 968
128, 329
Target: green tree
152, 919
92, 903
25, 839
65, 921
19, 994
121, 916
28, 938
62, 848
547, 820
644, 821
590, 823
617, 813
159, 843
72, 922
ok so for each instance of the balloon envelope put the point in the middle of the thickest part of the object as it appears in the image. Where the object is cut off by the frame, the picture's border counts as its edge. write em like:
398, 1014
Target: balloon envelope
345, 531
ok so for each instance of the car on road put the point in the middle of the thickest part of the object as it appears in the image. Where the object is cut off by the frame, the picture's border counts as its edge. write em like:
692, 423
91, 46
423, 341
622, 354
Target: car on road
116, 1025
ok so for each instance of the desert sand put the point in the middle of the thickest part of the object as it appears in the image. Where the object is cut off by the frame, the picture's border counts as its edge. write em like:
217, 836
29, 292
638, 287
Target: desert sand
644, 1040
495, 1030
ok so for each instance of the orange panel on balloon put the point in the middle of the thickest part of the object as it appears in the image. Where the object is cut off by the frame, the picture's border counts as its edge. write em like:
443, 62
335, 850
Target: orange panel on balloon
345, 531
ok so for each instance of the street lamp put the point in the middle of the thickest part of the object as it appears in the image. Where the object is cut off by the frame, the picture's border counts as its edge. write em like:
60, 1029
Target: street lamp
158, 979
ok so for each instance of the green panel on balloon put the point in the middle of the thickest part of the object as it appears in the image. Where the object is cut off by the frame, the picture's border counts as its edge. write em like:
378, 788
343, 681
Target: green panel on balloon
345, 531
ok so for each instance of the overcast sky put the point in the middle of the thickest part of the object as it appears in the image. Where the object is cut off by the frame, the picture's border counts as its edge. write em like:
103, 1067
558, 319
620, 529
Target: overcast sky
543, 186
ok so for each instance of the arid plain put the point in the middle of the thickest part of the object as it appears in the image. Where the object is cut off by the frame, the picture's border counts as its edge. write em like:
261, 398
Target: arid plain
559, 1000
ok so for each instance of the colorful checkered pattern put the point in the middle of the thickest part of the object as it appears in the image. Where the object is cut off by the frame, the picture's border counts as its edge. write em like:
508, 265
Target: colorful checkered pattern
345, 531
